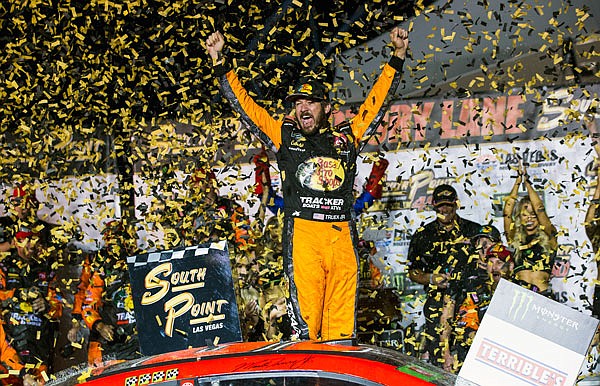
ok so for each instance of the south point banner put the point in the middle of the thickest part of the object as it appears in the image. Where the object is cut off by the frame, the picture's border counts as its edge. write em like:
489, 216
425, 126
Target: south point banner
184, 298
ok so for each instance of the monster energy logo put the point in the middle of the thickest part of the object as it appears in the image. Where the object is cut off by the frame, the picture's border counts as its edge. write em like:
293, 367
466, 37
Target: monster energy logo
520, 305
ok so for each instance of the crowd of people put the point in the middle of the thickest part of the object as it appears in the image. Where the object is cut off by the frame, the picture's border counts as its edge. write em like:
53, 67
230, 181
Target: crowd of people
296, 272
459, 262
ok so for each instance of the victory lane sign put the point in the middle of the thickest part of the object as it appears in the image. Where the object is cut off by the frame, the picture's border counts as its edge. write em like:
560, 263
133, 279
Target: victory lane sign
184, 298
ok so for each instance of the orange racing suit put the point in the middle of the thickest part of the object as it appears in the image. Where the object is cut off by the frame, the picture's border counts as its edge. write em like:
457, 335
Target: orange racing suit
318, 173
9, 361
32, 334
104, 295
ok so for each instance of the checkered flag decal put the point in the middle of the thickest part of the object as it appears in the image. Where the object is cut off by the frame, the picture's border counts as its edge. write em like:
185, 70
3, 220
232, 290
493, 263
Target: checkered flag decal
158, 376
178, 253
145, 379
172, 374
131, 381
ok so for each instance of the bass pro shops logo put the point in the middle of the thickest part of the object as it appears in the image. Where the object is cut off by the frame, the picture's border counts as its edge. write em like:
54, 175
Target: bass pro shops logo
305, 89
321, 174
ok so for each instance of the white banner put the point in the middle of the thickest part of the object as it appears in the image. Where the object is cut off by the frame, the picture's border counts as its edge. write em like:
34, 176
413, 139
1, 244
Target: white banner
527, 339
483, 177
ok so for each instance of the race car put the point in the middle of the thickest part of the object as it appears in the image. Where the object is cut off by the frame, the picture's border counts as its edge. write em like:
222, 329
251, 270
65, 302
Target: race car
267, 363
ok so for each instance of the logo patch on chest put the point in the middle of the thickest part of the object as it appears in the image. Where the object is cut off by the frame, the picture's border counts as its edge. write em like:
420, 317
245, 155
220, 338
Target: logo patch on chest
322, 174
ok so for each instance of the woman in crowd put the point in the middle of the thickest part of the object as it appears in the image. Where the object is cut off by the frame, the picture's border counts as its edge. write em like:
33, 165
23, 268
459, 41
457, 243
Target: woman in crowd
531, 235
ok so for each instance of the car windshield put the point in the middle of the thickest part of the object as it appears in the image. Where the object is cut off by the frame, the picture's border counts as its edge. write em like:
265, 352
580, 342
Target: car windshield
295, 378
277, 378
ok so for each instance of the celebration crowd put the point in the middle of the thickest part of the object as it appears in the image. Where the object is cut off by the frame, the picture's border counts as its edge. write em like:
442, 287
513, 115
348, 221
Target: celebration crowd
296, 271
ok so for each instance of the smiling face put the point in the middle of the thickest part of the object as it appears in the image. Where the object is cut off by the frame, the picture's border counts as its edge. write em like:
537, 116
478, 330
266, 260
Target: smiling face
528, 218
498, 268
482, 244
446, 214
311, 115
26, 247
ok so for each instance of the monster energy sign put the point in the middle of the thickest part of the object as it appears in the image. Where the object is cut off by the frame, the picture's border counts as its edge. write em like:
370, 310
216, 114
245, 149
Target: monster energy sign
528, 339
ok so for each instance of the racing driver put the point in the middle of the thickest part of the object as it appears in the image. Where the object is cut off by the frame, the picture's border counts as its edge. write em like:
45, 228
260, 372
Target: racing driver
318, 167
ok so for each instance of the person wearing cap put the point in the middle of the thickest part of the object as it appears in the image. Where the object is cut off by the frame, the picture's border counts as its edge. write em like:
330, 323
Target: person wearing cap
372, 190
486, 236
318, 167
466, 301
532, 236
24, 210
438, 252
500, 263
31, 305
104, 302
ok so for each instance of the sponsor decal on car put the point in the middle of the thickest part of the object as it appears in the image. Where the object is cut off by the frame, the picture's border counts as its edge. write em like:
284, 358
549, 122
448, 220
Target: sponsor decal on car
155, 377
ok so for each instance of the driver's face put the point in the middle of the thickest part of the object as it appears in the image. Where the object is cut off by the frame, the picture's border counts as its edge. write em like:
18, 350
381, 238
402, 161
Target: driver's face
311, 115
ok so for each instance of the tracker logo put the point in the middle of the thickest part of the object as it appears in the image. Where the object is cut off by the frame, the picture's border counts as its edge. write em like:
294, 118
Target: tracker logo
125, 318
17, 319
322, 203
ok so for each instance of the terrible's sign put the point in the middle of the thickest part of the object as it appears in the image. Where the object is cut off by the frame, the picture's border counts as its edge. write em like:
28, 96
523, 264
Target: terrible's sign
184, 298
527, 339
